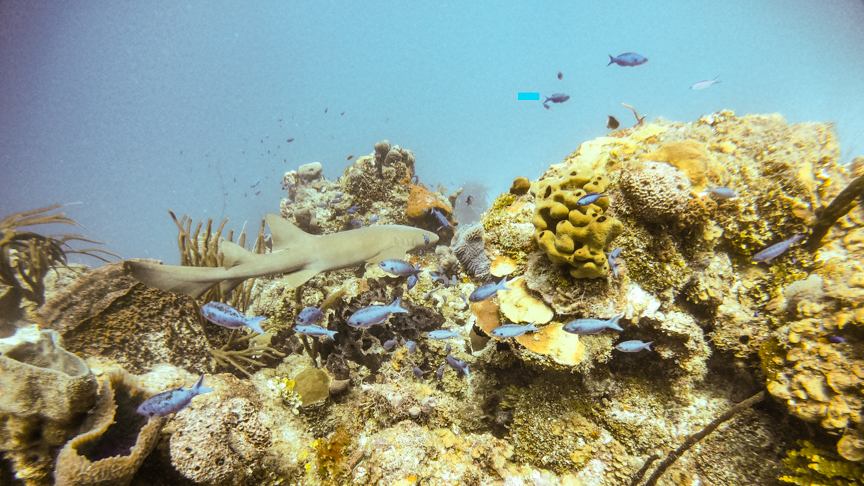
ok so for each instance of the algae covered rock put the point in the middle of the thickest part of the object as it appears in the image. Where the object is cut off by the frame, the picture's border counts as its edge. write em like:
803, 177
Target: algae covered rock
573, 234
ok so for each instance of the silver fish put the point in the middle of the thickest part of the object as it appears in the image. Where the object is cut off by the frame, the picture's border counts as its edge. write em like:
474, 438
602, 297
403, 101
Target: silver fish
592, 326
633, 346
512, 330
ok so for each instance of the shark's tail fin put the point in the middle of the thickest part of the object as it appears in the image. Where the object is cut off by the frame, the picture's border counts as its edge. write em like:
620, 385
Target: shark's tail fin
191, 281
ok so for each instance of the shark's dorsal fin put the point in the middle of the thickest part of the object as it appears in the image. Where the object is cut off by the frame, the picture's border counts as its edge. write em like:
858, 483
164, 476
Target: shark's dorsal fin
234, 254
284, 233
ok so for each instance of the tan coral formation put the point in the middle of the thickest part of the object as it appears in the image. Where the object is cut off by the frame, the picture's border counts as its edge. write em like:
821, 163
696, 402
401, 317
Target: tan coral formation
573, 234
116, 439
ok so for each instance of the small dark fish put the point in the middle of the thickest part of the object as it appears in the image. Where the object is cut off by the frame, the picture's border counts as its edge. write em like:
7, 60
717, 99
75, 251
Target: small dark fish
256, 182
350, 157
412, 281
447, 348
836, 339
469, 200
612, 123
357, 223
560, 75
290, 140
325, 110
488, 290
589, 198
441, 334
425, 239
592, 326
556, 98
340, 114
627, 59
352, 210
457, 364
774, 251
172, 401
257, 192
314, 330
418, 372
374, 219
389, 344
440, 373
322, 205
412, 347
633, 346
309, 315
375, 314
415, 179
399, 267
226, 316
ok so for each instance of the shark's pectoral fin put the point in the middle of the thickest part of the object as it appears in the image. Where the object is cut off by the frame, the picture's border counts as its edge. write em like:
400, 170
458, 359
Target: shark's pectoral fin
298, 278
228, 285
389, 253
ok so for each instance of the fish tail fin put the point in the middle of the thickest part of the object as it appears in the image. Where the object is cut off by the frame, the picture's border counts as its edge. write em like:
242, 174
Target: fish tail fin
254, 323
502, 285
613, 323
396, 306
191, 281
199, 387
611, 60
332, 334
648, 345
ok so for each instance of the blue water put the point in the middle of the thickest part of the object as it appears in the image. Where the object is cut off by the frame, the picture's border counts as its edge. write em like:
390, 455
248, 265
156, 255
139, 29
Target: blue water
134, 108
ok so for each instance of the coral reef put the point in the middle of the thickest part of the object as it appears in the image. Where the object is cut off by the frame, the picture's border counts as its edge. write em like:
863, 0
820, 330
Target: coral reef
573, 234
116, 439
471, 251
816, 466
47, 392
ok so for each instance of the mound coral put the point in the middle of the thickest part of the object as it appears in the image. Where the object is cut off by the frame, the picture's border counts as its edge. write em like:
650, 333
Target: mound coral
573, 234
689, 156
471, 251
656, 191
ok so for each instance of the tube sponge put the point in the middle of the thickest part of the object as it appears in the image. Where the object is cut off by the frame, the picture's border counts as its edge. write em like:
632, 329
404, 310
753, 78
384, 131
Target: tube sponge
573, 234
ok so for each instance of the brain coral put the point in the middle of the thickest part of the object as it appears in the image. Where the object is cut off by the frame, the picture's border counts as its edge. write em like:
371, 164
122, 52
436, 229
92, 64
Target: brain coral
657, 192
572, 234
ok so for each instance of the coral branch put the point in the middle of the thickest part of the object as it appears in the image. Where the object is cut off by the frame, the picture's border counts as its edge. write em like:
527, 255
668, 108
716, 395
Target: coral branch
640, 120
839, 207
693, 439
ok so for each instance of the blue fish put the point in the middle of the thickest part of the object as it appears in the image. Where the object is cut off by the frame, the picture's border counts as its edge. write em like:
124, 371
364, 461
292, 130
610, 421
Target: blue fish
512, 330
358, 224
719, 192
837, 339
309, 315
441, 334
352, 210
256, 182
441, 218
633, 346
226, 316
613, 262
399, 267
556, 98
412, 281
412, 347
488, 290
587, 199
374, 219
314, 330
322, 205
172, 401
774, 251
388, 345
418, 372
457, 364
592, 326
375, 314
627, 59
